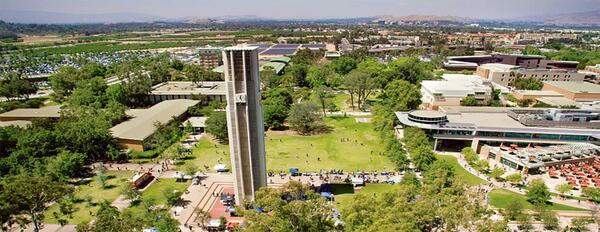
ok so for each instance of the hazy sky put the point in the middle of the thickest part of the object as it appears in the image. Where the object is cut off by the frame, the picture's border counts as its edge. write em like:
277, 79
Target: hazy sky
308, 8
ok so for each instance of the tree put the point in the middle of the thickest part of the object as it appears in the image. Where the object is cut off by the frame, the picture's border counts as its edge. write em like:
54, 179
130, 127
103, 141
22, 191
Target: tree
592, 193
323, 96
275, 112
563, 189
293, 207
549, 218
108, 218
32, 195
513, 210
528, 83
361, 85
202, 216
410, 69
304, 118
90, 92
216, 124
322, 76
65, 165
422, 157
344, 65
191, 169
14, 86
63, 82
497, 173
469, 101
580, 225
531, 50
269, 78
137, 85
537, 192
514, 178
173, 196
524, 221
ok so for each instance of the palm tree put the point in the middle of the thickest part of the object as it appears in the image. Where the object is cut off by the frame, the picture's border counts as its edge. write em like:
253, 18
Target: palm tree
202, 216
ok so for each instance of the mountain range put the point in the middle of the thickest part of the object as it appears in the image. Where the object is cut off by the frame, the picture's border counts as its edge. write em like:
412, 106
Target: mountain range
580, 18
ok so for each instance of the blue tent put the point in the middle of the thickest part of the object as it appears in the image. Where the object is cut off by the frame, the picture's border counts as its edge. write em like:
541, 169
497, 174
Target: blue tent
326, 194
294, 170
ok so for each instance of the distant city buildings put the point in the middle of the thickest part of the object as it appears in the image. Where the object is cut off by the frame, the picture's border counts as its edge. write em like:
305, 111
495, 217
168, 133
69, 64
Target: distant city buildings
209, 57
457, 63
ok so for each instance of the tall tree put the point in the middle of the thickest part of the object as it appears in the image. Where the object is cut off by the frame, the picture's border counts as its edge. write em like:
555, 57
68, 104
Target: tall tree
216, 124
361, 85
537, 192
304, 118
32, 195
344, 65
323, 96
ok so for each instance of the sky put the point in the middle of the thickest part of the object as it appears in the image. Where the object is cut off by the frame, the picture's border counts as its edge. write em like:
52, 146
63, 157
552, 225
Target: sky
308, 9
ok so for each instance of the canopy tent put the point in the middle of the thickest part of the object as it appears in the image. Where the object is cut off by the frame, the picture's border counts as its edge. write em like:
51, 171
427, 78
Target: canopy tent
220, 168
357, 181
294, 170
327, 194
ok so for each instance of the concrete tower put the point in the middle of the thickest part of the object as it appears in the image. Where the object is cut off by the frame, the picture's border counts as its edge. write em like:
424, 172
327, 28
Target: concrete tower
245, 121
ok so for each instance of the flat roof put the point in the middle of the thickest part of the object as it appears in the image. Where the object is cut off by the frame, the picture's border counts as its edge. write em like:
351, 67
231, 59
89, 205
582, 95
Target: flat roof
575, 87
142, 126
427, 113
17, 123
241, 47
196, 121
558, 101
498, 67
188, 87
485, 119
538, 93
43, 112
277, 66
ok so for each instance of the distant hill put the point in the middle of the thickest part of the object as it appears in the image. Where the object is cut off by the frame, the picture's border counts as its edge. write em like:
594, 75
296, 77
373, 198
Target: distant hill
579, 18
42, 17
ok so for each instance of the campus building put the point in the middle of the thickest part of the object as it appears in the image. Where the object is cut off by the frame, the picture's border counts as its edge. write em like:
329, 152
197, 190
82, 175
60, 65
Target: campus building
209, 57
454, 88
458, 63
209, 90
505, 75
577, 91
535, 159
476, 126
134, 133
245, 120
29, 114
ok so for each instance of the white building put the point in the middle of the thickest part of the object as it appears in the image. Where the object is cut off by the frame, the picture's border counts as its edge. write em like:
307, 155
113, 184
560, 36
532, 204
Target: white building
454, 88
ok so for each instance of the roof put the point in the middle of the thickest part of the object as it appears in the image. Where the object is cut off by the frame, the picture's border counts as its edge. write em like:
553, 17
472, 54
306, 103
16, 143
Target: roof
241, 47
188, 87
497, 67
277, 66
197, 122
575, 87
558, 101
455, 88
538, 93
43, 112
427, 113
283, 59
17, 123
142, 126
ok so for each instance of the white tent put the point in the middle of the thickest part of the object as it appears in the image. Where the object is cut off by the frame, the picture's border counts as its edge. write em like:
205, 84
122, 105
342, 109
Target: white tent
220, 168
357, 181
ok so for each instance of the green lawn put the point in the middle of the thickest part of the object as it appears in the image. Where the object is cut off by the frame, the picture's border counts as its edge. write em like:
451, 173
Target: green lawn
346, 196
342, 101
155, 192
500, 198
285, 150
461, 173
84, 210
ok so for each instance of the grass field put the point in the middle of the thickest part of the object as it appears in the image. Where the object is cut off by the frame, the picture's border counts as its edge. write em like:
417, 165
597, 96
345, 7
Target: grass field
461, 173
500, 198
156, 191
286, 150
343, 197
84, 210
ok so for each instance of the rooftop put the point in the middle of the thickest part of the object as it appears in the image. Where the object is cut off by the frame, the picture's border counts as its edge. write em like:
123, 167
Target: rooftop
497, 67
188, 87
43, 112
197, 122
241, 47
538, 93
17, 123
141, 126
558, 101
575, 87
427, 113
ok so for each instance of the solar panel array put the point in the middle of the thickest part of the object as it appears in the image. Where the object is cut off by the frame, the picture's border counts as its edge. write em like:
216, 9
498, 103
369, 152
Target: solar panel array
284, 49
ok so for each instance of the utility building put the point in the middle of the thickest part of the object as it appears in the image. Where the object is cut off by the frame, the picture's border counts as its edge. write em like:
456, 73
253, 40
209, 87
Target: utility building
245, 120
